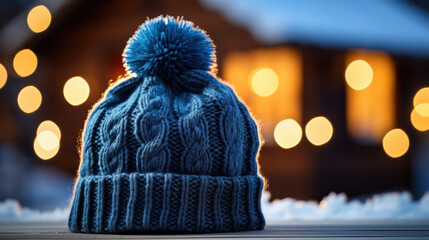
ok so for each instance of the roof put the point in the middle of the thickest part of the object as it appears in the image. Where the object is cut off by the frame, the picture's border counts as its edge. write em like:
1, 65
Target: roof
391, 25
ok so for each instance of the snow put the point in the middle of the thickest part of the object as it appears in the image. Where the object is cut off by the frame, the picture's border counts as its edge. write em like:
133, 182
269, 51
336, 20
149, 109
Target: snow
388, 206
395, 26
11, 210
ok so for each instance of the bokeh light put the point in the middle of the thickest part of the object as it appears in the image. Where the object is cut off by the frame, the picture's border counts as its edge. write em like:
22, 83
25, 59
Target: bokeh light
25, 62
29, 99
422, 96
396, 143
359, 75
43, 153
49, 126
39, 19
76, 91
419, 122
423, 109
287, 133
319, 130
264, 81
47, 140
3, 76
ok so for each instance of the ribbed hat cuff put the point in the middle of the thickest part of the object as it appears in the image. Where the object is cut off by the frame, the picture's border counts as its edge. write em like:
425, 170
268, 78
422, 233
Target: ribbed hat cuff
158, 202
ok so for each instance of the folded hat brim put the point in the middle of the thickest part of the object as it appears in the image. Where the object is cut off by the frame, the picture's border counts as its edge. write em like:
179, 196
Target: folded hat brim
167, 203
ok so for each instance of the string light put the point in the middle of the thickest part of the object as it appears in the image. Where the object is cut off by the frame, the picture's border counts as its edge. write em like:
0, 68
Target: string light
423, 109
264, 81
319, 130
287, 133
25, 62
76, 91
3, 76
419, 122
396, 143
39, 19
41, 151
29, 99
48, 125
422, 96
47, 140
359, 75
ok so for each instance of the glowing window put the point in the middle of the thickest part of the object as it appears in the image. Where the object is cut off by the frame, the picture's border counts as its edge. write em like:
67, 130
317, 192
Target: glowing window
270, 83
370, 110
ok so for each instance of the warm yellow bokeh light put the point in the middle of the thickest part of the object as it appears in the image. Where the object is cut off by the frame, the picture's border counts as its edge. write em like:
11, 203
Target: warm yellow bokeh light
359, 75
423, 109
42, 153
264, 81
29, 99
396, 143
47, 140
422, 96
76, 91
25, 62
39, 19
287, 133
420, 122
319, 130
49, 126
3, 76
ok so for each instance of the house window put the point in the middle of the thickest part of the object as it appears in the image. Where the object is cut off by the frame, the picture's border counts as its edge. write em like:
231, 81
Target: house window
370, 94
269, 81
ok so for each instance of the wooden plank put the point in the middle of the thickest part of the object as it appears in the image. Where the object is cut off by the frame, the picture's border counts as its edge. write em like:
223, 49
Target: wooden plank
274, 230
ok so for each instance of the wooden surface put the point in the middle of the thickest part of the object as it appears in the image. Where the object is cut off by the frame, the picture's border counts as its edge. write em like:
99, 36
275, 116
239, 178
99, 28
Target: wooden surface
274, 230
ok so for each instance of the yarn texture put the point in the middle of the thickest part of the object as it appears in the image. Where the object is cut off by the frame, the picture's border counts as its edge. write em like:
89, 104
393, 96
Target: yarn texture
170, 149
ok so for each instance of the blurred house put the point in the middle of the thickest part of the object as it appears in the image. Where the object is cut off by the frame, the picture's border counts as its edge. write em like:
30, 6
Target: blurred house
351, 67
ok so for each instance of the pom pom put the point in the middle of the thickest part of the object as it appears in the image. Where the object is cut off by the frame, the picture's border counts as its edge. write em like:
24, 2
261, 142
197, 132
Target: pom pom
168, 48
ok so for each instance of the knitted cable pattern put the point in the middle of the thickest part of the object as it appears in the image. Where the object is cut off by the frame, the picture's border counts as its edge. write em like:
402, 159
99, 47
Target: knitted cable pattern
89, 148
193, 132
252, 139
152, 131
231, 134
113, 154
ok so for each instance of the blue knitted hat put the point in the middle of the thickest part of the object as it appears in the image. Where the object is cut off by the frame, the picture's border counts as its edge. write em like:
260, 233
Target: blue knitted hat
171, 148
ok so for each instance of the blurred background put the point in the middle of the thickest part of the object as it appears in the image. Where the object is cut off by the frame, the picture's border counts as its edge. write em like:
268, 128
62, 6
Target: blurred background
340, 88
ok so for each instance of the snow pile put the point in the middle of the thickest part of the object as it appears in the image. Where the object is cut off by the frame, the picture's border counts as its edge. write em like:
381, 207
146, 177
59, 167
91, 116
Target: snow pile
11, 210
390, 206
334, 207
